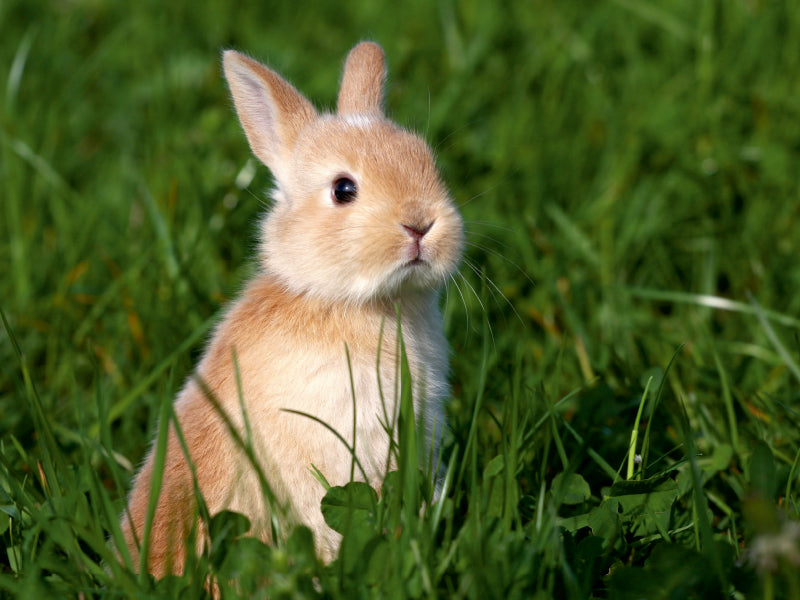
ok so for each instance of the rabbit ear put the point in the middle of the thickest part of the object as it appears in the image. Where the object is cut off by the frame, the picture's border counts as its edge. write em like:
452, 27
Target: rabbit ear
270, 110
362, 80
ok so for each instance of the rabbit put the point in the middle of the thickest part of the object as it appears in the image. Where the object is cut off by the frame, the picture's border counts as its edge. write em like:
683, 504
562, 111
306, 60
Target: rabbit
360, 223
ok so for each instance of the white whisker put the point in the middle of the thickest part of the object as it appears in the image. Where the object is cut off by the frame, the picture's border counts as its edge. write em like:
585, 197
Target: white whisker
489, 224
464, 302
478, 195
464, 127
502, 257
496, 289
481, 304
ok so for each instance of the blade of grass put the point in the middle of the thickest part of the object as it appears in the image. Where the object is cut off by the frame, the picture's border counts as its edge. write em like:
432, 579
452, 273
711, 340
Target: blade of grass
717, 302
635, 433
700, 507
120, 407
727, 398
601, 462
156, 480
763, 319
49, 449
656, 401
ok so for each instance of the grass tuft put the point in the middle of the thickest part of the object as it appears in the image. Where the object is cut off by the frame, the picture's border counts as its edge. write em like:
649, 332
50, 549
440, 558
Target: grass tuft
628, 175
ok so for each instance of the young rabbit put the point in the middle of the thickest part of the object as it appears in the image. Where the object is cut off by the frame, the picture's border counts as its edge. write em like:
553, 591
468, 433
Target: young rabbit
360, 223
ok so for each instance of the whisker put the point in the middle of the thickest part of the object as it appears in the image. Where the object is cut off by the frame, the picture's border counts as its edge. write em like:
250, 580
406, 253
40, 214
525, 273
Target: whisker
486, 236
428, 121
464, 127
494, 187
494, 286
483, 307
489, 224
464, 302
504, 258
478, 195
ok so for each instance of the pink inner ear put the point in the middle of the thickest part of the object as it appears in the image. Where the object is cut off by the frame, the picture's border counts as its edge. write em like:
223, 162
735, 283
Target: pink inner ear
254, 106
259, 103
270, 110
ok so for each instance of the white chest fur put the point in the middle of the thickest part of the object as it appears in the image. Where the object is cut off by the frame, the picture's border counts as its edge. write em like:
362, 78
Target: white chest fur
300, 356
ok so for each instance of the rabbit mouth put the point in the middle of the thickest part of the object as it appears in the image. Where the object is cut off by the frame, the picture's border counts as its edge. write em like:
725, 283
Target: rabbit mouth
413, 275
415, 268
417, 271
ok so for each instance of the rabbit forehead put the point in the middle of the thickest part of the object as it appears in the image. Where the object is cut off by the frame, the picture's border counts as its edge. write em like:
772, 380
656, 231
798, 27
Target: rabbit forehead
369, 149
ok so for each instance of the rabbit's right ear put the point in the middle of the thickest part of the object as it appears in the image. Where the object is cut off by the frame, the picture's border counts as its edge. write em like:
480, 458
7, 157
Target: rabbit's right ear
363, 79
270, 110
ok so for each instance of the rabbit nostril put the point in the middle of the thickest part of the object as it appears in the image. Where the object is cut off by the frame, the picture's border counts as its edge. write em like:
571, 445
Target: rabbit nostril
417, 231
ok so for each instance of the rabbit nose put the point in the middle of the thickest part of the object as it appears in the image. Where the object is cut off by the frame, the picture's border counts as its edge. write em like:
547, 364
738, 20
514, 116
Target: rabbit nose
417, 232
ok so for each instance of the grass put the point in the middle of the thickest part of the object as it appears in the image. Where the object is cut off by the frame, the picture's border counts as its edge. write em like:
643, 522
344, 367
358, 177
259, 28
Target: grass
628, 174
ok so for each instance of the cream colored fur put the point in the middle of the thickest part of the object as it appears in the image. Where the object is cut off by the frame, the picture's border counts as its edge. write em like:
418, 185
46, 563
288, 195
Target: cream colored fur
331, 277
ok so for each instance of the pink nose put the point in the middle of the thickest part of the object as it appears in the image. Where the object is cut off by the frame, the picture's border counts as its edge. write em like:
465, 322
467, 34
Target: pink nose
417, 232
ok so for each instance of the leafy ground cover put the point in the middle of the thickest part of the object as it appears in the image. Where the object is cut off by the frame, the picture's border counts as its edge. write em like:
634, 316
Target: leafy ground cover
626, 333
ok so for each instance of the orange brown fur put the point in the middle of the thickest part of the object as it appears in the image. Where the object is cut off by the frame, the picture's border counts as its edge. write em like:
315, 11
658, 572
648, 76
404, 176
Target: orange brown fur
331, 277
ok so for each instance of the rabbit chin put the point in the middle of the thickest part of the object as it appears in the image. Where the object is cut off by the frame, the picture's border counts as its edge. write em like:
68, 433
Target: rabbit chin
412, 278
404, 282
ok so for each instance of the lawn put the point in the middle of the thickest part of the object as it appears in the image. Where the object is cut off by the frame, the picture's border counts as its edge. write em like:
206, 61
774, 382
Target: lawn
625, 330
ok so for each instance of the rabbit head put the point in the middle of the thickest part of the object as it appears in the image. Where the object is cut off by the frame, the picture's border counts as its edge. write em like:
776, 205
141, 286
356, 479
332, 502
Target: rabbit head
360, 212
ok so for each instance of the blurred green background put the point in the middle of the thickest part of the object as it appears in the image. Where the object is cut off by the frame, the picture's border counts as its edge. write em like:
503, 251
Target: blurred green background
628, 172
595, 148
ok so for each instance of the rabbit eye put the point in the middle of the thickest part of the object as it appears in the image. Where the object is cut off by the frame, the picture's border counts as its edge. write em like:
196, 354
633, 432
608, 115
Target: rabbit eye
344, 190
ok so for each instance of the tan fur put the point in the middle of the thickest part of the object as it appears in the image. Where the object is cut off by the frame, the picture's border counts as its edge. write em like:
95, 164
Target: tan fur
331, 277
361, 89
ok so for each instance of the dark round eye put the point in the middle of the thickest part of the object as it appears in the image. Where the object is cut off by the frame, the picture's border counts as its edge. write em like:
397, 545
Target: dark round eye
344, 190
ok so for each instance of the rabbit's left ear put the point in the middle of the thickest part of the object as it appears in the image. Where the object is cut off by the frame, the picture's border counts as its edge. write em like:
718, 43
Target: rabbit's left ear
363, 78
271, 111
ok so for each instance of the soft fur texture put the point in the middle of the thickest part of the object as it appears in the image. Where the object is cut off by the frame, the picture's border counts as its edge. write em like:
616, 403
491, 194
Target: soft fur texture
331, 277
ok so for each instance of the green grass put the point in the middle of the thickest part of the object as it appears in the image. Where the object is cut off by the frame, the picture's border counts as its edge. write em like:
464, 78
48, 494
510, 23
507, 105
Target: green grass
628, 172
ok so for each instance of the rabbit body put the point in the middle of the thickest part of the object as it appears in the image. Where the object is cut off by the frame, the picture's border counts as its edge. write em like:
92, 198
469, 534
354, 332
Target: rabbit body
360, 225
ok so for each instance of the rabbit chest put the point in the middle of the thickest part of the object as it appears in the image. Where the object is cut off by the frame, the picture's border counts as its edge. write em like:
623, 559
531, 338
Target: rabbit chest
307, 381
